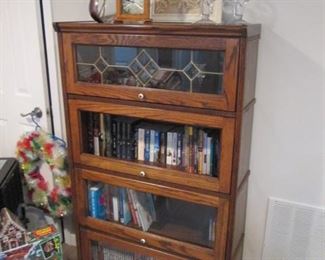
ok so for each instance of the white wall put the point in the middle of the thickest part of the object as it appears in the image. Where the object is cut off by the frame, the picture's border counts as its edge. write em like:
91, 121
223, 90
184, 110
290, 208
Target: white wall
286, 159
75, 10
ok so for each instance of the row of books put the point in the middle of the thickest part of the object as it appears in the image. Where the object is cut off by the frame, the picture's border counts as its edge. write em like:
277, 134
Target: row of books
121, 205
196, 150
112, 254
106, 253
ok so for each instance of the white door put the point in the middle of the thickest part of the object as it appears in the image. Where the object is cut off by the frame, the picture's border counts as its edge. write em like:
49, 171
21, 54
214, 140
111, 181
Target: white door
22, 71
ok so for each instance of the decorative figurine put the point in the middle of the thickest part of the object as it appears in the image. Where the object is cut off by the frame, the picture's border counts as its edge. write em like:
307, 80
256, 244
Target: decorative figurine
233, 11
206, 11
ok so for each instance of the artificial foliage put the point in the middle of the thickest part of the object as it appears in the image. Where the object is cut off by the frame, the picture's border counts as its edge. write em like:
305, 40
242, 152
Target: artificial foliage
33, 150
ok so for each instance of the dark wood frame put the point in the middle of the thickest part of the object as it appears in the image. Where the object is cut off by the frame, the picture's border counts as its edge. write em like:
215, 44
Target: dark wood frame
241, 112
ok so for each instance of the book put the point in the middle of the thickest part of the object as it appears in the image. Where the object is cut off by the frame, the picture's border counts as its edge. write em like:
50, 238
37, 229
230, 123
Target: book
102, 136
108, 135
114, 138
145, 209
115, 204
163, 147
169, 148
147, 145
156, 146
140, 145
135, 205
90, 133
131, 207
125, 214
179, 148
152, 145
97, 202
96, 133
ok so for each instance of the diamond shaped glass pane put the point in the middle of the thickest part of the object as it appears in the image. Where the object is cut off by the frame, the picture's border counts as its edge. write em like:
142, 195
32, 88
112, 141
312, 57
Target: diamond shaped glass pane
101, 65
191, 71
135, 67
152, 67
143, 58
144, 77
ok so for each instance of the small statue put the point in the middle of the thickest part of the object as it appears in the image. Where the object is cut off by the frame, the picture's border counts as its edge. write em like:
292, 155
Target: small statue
206, 11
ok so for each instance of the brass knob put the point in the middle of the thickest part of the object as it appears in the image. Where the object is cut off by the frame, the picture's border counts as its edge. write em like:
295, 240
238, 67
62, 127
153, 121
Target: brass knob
142, 241
142, 174
140, 96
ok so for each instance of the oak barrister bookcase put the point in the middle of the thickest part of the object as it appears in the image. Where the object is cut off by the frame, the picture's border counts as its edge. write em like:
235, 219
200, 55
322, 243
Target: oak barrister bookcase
159, 120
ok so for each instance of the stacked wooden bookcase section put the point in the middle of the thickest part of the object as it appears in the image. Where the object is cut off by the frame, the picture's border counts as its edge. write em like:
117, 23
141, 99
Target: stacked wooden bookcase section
159, 124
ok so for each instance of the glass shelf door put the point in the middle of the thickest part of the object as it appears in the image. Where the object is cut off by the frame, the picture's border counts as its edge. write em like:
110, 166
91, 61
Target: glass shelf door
185, 148
192, 223
154, 69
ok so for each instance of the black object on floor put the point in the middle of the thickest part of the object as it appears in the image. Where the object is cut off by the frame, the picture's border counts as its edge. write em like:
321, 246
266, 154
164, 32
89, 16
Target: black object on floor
11, 193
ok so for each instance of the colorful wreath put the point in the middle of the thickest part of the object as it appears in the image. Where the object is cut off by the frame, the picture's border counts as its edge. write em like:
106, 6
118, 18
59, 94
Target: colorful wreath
34, 151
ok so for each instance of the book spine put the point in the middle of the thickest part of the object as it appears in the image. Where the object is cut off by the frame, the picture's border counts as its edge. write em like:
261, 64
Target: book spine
209, 162
195, 149
141, 144
120, 205
96, 134
147, 145
169, 154
94, 202
129, 142
115, 205
114, 138
185, 149
205, 154
179, 149
131, 206
126, 208
163, 147
174, 148
156, 147
119, 139
123, 139
90, 132
102, 136
200, 153
101, 203
152, 145
108, 135
136, 207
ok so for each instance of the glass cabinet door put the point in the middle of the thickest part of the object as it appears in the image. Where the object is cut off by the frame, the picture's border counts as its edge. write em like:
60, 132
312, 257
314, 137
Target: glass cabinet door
155, 69
193, 71
154, 144
97, 246
191, 222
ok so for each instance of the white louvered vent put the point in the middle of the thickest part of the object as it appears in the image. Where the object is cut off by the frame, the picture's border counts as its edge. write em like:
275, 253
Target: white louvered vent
294, 232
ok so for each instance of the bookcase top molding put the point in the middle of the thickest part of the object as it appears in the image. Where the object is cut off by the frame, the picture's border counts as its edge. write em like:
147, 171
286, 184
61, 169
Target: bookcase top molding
220, 30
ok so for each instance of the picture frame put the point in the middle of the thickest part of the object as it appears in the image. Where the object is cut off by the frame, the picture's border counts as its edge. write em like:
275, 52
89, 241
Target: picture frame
187, 11
135, 10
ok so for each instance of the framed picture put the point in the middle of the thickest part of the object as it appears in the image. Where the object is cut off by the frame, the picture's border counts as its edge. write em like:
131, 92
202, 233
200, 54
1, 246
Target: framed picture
182, 11
132, 10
